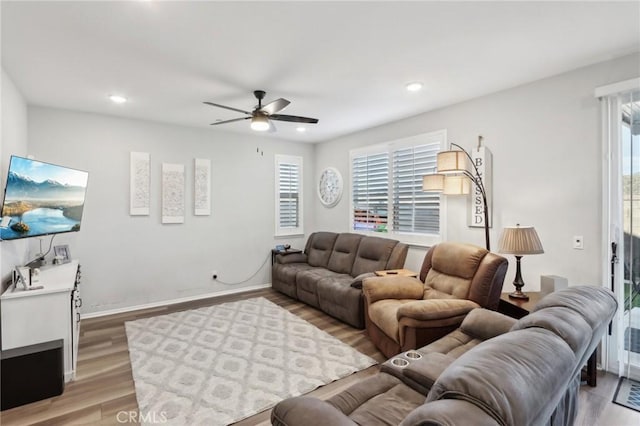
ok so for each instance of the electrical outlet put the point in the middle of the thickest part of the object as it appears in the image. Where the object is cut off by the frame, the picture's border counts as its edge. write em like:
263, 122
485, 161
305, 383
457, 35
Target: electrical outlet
578, 242
214, 275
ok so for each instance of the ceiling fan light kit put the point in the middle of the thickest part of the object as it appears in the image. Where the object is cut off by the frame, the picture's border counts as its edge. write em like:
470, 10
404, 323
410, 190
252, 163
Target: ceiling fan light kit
262, 116
259, 123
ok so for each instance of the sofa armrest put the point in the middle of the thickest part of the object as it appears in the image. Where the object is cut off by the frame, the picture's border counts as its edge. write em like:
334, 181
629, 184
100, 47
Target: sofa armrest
306, 410
378, 288
484, 324
357, 281
427, 369
291, 258
435, 309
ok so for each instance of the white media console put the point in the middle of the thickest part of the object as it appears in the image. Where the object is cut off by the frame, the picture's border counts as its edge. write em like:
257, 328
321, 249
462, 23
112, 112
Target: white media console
36, 316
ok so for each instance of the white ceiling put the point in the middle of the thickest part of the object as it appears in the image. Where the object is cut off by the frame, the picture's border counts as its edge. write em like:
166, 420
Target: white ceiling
344, 63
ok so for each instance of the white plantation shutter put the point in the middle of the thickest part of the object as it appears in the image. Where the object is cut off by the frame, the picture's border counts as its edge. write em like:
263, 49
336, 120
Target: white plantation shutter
370, 192
386, 188
414, 210
288, 195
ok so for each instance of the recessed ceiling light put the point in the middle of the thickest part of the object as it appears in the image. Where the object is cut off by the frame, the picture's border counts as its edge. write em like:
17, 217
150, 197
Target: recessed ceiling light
117, 99
301, 129
414, 86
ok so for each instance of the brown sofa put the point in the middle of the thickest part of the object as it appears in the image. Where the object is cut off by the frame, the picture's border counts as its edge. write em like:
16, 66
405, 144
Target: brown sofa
406, 313
329, 274
492, 371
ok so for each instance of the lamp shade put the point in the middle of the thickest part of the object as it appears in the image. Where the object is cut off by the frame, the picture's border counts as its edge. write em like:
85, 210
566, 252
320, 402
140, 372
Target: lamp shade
452, 162
520, 240
433, 183
456, 185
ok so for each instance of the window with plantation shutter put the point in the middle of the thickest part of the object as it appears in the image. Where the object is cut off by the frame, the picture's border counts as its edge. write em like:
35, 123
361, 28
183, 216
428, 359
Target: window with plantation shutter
413, 209
370, 192
288, 195
386, 189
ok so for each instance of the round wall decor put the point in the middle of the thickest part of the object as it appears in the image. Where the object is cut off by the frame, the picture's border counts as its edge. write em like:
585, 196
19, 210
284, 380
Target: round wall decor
330, 186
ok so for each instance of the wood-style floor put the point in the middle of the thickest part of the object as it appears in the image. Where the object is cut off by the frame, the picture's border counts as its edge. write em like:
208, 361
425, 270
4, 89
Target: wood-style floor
104, 384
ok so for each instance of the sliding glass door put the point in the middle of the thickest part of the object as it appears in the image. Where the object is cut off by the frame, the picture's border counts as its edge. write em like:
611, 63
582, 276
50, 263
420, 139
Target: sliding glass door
629, 293
620, 106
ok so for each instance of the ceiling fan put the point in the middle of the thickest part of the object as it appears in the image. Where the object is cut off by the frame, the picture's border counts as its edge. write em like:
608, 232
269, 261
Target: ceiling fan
262, 115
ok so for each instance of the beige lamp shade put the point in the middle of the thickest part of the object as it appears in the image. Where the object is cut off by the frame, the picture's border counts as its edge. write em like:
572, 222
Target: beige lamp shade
520, 240
452, 162
456, 185
433, 183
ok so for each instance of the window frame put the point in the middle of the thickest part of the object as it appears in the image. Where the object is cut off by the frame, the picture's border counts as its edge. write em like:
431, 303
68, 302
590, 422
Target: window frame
298, 161
411, 238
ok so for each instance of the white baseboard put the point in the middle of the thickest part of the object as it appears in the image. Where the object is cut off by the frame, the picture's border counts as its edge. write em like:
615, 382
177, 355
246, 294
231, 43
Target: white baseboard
172, 301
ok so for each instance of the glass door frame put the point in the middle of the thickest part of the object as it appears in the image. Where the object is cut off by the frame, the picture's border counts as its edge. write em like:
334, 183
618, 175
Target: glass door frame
614, 357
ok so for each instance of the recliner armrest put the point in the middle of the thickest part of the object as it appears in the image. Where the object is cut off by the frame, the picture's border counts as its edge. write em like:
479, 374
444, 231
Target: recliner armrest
291, 258
306, 410
378, 288
434, 309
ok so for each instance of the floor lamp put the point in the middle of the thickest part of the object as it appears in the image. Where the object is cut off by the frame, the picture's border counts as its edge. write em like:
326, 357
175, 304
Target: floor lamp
455, 169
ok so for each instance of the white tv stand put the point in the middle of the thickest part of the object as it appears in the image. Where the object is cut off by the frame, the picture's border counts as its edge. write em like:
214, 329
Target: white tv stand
36, 316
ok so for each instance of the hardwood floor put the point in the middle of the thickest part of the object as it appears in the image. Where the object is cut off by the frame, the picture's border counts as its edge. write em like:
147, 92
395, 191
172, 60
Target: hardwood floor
104, 384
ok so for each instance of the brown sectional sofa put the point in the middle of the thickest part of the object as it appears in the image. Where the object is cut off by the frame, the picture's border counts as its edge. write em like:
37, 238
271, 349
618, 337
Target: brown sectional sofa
329, 274
493, 370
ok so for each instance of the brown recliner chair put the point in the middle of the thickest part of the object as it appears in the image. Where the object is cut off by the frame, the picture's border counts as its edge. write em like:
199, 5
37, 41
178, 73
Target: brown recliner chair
405, 313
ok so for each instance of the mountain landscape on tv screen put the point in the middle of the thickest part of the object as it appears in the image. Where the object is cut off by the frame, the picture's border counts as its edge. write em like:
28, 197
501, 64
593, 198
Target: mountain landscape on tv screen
38, 208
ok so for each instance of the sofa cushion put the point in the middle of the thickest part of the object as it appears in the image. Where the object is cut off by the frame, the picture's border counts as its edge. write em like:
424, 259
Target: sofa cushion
459, 260
517, 378
307, 283
344, 252
338, 299
443, 286
319, 248
566, 323
580, 299
283, 277
373, 254
388, 408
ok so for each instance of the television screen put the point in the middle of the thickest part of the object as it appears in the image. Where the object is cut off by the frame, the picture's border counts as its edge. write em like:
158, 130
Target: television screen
41, 199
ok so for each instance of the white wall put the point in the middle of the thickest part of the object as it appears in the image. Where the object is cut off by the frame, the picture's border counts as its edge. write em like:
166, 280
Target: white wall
545, 140
133, 260
14, 141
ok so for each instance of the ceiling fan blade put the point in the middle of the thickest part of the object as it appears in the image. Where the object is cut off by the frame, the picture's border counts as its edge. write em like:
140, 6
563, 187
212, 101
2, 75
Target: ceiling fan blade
275, 106
230, 121
227, 107
272, 127
293, 118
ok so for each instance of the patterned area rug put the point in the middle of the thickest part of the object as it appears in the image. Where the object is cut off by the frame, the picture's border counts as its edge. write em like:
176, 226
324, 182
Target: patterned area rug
220, 364
628, 394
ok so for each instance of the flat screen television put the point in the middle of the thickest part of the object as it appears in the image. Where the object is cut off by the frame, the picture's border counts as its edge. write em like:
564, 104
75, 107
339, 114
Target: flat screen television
41, 199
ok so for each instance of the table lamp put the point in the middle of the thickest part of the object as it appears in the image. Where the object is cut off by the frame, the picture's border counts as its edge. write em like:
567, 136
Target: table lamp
519, 240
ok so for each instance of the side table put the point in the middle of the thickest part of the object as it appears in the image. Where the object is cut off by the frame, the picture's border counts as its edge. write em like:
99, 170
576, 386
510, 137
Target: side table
518, 308
397, 273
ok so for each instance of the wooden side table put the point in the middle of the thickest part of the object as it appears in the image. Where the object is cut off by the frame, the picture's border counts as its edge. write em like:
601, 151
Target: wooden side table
396, 273
518, 308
